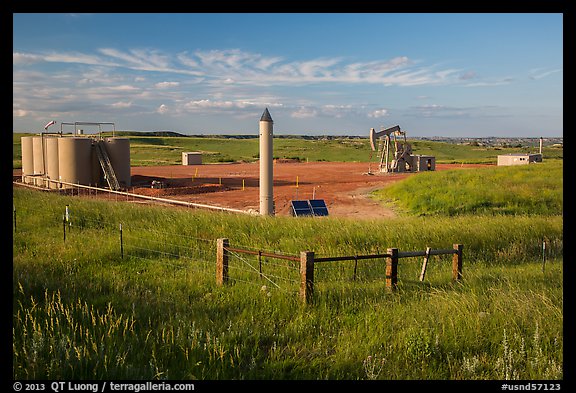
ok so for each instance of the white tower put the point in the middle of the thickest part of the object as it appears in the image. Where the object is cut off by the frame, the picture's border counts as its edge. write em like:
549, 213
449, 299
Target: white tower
266, 165
541, 143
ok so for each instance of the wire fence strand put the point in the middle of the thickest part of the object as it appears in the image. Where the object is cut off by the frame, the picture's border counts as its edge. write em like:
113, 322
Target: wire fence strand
253, 268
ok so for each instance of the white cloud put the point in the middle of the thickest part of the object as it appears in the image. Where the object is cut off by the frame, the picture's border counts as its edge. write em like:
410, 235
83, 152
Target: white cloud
86, 81
255, 69
489, 83
139, 59
232, 82
337, 111
25, 58
121, 105
162, 109
467, 75
539, 73
165, 85
184, 59
206, 104
444, 111
236, 108
74, 57
123, 88
209, 104
304, 113
19, 113
378, 113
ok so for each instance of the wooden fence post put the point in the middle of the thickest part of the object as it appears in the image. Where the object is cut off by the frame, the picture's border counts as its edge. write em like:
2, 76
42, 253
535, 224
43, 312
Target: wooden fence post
457, 263
221, 261
392, 269
121, 243
306, 276
425, 263
543, 246
260, 263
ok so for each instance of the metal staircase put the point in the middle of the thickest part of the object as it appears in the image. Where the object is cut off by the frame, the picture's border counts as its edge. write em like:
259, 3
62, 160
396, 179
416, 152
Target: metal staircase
107, 168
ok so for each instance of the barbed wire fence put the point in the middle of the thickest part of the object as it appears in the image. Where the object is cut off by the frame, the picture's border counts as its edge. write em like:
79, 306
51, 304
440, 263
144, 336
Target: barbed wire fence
176, 250
183, 252
263, 272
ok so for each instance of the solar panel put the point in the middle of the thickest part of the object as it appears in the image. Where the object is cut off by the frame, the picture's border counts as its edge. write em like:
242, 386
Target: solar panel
313, 207
301, 208
319, 207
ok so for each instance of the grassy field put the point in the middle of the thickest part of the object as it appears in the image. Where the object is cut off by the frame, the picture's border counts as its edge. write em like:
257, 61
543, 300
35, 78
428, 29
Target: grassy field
528, 189
93, 302
165, 150
86, 309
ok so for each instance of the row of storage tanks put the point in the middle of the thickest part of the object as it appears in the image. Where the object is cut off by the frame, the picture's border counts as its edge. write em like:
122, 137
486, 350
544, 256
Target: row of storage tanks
73, 160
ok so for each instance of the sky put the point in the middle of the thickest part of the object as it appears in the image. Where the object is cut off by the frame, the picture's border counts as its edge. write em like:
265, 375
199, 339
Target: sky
453, 75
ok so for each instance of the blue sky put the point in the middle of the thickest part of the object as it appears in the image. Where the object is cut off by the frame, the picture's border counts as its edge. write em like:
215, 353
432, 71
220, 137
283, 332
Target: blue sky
338, 74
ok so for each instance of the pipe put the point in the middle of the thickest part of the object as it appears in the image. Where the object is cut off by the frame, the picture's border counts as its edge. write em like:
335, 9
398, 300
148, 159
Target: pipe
171, 201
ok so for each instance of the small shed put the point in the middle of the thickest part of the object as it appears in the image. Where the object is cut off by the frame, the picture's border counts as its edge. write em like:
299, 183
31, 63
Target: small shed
423, 163
192, 158
519, 158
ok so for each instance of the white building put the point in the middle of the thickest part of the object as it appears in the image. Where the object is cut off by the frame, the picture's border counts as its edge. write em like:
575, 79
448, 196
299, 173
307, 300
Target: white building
192, 158
519, 158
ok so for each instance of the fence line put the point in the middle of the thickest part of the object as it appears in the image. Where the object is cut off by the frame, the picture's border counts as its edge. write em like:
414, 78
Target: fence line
351, 258
263, 275
263, 250
203, 252
307, 260
264, 254
255, 270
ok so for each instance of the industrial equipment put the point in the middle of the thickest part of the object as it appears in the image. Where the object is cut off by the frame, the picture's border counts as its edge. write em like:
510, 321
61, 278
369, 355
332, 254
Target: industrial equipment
402, 159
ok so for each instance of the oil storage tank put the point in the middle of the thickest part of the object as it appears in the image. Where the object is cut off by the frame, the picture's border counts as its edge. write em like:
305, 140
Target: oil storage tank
38, 152
27, 158
52, 160
118, 150
39, 162
75, 160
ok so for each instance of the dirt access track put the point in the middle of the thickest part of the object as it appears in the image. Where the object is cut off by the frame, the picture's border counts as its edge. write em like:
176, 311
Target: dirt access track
345, 187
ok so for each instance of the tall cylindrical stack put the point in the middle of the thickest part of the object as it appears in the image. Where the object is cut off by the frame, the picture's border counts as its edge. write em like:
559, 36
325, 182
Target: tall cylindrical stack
541, 143
266, 164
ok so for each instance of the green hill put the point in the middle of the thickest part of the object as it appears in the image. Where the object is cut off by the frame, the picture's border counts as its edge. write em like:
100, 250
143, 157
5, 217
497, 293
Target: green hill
534, 189
159, 149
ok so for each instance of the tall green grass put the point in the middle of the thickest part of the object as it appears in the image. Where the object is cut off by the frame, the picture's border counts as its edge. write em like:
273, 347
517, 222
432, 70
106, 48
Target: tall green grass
535, 189
81, 310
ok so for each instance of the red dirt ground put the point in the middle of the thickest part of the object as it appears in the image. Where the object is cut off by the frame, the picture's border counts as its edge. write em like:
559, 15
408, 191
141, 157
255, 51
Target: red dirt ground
343, 186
